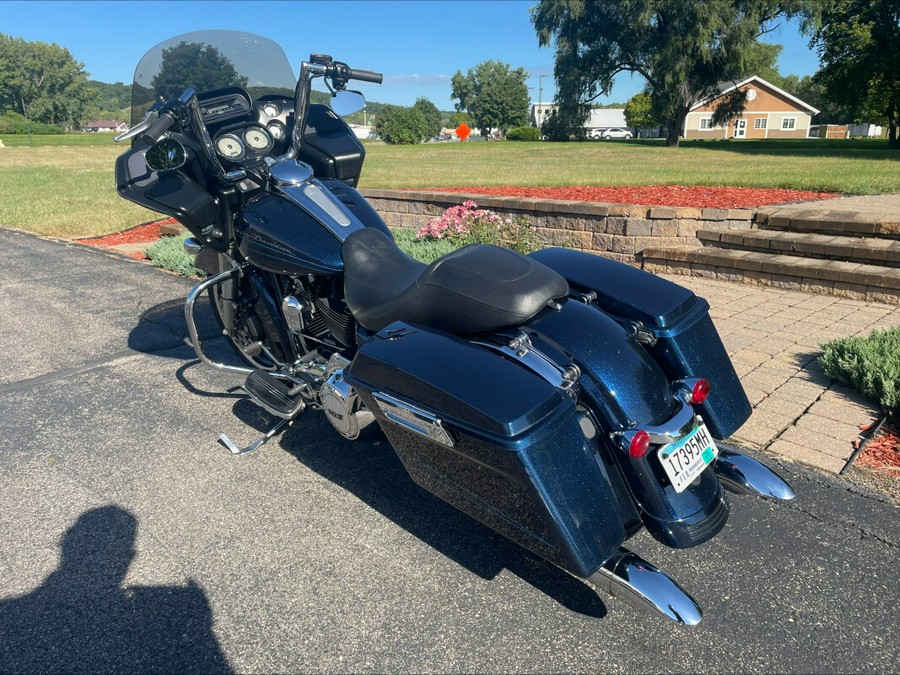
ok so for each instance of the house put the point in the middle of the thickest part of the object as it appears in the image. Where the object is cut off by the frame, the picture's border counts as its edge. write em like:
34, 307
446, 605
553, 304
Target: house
770, 113
106, 126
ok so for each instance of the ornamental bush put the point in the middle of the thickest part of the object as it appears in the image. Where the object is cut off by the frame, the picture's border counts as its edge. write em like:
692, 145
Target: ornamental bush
467, 224
524, 134
869, 365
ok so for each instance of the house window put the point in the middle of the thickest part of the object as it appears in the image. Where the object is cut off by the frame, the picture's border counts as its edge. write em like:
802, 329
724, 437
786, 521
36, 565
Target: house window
706, 123
788, 123
759, 123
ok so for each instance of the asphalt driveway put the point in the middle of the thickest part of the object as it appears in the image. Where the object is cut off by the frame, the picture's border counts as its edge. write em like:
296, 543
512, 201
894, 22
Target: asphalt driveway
131, 541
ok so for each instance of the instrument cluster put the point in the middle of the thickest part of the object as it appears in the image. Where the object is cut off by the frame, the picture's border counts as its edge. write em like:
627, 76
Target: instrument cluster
249, 141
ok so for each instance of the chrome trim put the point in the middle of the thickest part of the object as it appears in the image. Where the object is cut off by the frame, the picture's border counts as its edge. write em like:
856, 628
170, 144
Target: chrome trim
641, 584
521, 349
192, 246
414, 419
292, 309
195, 293
289, 172
744, 475
680, 424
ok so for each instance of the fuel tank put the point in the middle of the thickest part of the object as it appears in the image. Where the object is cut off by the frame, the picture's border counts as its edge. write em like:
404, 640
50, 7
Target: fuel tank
277, 235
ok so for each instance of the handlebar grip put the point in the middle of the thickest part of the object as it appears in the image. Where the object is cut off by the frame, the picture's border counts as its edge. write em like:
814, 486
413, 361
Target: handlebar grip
158, 128
366, 76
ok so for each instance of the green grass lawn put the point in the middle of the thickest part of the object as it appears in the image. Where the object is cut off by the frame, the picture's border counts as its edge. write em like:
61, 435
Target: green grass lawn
63, 186
850, 166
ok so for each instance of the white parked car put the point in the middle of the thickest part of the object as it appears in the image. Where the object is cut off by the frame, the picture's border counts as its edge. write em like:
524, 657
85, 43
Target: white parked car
615, 132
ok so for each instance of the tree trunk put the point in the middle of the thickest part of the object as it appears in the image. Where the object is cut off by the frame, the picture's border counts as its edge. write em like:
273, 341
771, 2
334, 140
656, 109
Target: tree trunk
673, 128
893, 139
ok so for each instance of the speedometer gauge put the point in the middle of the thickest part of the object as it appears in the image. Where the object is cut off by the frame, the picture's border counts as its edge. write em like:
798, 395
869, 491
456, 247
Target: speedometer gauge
257, 139
230, 146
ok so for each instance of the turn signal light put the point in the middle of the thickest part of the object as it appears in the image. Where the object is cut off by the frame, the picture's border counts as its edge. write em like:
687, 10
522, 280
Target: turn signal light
700, 392
640, 444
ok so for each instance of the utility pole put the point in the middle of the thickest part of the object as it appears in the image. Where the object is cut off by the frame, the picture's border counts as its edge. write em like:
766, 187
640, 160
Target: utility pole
540, 96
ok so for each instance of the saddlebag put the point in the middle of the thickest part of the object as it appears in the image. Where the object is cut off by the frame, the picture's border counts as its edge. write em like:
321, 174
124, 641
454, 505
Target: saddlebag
496, 441
687, 343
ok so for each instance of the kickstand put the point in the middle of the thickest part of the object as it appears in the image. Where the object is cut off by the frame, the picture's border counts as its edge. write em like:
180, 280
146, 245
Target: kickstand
259, 442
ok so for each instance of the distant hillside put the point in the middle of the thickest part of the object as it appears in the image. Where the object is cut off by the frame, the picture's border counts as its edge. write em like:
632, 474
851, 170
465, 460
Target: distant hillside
115, 100
115, 103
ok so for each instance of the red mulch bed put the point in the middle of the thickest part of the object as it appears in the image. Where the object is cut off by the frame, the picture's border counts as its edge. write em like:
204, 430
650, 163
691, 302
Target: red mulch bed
696, 196
882, 453
139, 234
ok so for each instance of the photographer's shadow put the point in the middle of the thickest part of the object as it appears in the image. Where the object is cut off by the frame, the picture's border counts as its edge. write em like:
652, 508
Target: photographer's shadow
81, 619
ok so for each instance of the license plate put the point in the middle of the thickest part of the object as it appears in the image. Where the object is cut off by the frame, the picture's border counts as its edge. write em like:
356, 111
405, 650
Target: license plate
686, 459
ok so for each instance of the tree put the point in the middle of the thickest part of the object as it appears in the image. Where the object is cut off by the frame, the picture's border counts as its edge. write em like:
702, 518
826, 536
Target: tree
197, 65
397, 125
458, 118
43, 82
682, 49
566, 122
494, 94
859, 47
639, 112
432, 116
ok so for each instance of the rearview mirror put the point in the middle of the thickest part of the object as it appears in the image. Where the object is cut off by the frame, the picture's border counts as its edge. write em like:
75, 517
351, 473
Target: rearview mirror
347, 102
167, 154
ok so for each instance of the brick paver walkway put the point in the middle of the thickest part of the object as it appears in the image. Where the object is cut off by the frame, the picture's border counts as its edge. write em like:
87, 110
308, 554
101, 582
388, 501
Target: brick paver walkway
773, 336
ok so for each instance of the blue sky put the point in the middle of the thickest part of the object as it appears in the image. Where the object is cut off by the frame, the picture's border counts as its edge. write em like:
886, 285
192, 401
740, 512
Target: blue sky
418, 45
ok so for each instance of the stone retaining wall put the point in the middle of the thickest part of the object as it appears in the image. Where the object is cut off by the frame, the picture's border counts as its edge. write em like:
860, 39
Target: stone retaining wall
617, 231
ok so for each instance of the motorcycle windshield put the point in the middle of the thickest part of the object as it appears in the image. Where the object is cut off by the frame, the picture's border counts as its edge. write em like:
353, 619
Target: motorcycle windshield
207, 60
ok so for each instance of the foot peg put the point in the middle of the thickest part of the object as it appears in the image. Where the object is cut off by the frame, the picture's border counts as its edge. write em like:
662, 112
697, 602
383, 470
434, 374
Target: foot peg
258, 443
629, 577
274, 395
745, 476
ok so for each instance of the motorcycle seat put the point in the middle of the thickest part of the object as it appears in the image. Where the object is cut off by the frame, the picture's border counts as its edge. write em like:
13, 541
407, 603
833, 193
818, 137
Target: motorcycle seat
476, 289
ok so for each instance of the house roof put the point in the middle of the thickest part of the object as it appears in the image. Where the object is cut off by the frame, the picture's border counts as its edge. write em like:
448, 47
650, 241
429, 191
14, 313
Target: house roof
731, 85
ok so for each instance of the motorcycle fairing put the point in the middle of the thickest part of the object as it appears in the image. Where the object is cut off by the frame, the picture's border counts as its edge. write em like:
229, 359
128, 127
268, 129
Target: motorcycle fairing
688, 344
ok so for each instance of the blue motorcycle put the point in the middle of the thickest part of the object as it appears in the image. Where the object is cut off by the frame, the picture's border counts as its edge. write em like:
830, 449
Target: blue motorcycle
565, 400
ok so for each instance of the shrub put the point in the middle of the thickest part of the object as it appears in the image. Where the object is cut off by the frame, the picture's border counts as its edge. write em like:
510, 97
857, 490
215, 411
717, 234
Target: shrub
869, 365
397, 125
467, 224
524, 134
14, 123
168, 253
423, 250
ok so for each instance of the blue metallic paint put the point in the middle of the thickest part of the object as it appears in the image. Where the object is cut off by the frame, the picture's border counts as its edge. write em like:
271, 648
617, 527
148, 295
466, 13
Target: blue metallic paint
688, 344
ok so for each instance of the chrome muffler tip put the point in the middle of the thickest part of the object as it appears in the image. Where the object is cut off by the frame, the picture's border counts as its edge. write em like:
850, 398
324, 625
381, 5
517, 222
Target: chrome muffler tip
744, 475
642, 585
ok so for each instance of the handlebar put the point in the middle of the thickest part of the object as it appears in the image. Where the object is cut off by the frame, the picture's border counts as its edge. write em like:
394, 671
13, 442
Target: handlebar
366, 76
156, 130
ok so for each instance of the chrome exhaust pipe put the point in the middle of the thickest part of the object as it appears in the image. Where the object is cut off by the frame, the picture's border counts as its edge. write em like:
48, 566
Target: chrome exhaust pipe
744, 475
641, 584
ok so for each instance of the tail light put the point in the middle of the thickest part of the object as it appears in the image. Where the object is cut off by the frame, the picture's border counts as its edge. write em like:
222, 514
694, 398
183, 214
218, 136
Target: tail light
640, 444
700, 391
